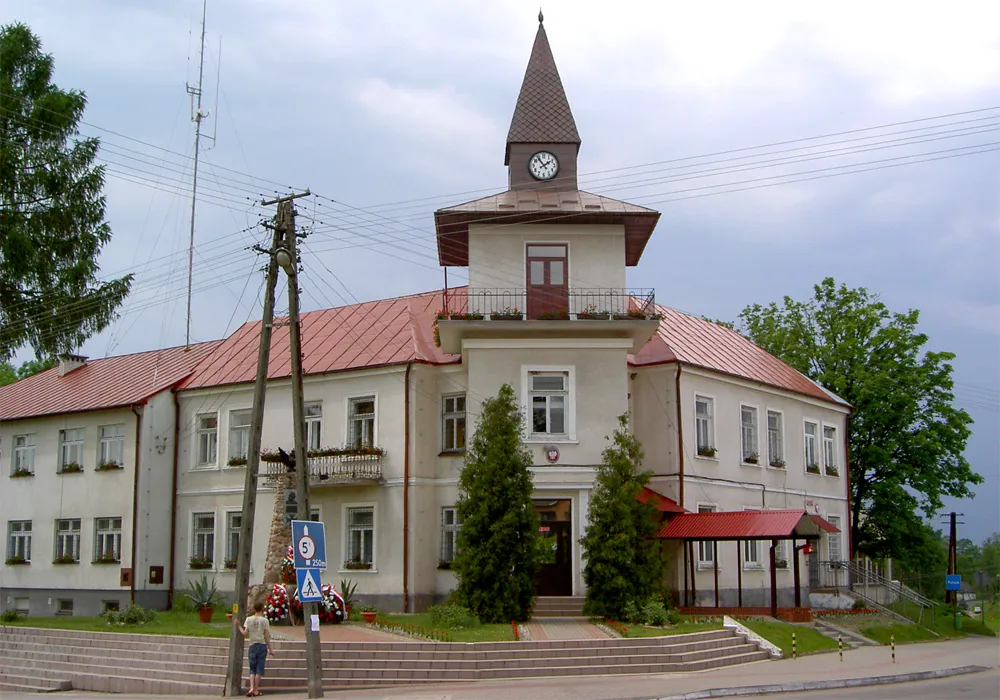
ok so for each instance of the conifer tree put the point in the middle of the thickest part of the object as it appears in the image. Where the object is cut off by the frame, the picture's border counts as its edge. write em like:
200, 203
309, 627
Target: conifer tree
497, 557
623, 561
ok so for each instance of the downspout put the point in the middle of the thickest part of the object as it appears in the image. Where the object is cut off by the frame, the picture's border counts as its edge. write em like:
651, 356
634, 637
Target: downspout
173, 499
680, 435
847, 471
135, 501
406, 488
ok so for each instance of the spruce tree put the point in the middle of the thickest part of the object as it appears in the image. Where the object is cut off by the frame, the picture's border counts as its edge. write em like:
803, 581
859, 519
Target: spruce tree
497, 557
623, 561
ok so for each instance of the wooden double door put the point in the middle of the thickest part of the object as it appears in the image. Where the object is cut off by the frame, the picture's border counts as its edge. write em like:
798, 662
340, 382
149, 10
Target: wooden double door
547, 276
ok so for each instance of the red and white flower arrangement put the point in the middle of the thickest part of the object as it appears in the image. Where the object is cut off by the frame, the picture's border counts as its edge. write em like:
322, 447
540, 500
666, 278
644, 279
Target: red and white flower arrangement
276, 605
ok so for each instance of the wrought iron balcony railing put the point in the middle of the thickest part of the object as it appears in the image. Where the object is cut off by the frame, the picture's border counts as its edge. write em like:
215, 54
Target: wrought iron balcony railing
337, 469
549, 304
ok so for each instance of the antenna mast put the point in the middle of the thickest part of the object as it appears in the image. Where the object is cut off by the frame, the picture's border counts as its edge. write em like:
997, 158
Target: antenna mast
196, 116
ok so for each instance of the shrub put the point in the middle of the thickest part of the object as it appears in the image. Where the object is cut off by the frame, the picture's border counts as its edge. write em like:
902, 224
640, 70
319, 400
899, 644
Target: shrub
452, 616
859, 605
132, 615
631, 612
9, 615
654, 613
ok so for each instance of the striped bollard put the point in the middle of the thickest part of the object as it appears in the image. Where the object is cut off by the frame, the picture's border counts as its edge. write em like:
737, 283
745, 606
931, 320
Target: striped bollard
840, 646
794, 654
892, 641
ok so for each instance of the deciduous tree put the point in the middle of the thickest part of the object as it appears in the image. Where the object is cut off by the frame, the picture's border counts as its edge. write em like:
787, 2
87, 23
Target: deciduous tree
9, 374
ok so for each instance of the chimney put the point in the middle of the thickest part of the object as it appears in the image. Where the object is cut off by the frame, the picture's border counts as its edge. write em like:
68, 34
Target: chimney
69, 362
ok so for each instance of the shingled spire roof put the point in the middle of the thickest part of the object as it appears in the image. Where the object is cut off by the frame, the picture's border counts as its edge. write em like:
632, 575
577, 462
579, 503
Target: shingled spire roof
542, 114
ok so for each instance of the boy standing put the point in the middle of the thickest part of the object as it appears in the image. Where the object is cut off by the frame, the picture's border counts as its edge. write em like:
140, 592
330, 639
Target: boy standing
258, 633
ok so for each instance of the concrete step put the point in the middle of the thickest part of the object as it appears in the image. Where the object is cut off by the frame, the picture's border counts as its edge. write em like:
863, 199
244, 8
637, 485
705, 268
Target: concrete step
32, 657
12, 680
117, 642
161, 640
73, 669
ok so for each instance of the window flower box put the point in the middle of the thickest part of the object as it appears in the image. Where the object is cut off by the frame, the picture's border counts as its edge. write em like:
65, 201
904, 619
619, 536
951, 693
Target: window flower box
812, 468
705, 451
467, 317
109, 466
560, 315
778, 463
196, 562
106, 558
237, 462
444, 565
751, 459
510, 314
66, 559
20, 473
70, 468
16, 561
832, 471
780, 564
356, 565
231, 564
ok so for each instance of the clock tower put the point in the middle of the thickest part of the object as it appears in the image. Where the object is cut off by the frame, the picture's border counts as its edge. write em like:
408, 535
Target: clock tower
542, 143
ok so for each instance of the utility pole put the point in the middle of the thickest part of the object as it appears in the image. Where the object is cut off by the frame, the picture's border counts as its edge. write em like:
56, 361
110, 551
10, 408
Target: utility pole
952, 596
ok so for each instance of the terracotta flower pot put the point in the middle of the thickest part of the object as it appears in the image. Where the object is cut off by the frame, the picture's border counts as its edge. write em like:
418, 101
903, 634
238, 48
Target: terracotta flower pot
369, 616
205, 614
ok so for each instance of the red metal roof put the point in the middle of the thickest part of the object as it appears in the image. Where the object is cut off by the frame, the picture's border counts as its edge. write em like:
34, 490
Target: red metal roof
661, 502
695, 341
371, 334
824, 524
102, 383
740, 525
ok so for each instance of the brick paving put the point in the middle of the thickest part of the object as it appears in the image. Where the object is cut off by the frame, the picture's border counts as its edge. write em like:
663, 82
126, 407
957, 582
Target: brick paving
338, 633
551, 628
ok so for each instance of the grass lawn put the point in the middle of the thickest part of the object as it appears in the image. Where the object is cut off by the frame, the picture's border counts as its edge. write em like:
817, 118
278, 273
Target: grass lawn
686, 627
807, 640
992, 616
172, 623
904, 633
500, 632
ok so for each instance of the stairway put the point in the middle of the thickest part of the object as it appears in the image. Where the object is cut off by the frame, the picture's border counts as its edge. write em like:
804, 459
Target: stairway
558, 606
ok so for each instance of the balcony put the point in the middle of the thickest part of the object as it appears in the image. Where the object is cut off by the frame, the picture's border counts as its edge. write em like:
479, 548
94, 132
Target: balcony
548, 312
330, 469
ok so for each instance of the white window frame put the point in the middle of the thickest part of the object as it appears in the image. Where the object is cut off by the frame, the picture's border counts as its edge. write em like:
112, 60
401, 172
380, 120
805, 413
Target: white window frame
71, 450
238, 434
569, 406
830, 450
835, 553
781, 438
815, 446
110, 532
710, 426
706, 548
111, 446
750, 433
195, 533
449, 534
349, 402
19, 539
345, 543
67, 540
23, 456
314, 425
210, 434
450, 420
752, 547
232, 553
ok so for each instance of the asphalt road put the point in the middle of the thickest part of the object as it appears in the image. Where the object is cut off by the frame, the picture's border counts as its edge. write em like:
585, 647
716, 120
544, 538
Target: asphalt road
974, 686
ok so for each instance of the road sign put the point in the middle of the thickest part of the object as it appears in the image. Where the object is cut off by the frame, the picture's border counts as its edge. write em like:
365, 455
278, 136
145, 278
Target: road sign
952, 582
309, 585
308, 544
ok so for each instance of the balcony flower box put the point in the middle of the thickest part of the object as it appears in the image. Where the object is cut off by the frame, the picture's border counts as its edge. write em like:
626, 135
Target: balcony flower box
237, 462
66, 559
704, 451
270, 456
832, 471
631, 315
106, 558
778, 463
196, 562
70, 468
507, 315
467, 317
108, 466
20, 473
17, 561
812, 468
560, 315
357, 565
231, 564
594, 315
751, 459
363, 451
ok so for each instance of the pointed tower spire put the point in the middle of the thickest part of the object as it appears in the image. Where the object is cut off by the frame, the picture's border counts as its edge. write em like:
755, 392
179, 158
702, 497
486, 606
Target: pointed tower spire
542, 114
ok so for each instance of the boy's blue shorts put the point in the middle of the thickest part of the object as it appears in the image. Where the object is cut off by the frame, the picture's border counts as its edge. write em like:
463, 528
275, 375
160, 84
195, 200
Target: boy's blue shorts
257, 654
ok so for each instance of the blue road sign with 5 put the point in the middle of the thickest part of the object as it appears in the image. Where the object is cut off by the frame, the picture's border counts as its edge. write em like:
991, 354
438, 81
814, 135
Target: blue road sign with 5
309, 585
308, 544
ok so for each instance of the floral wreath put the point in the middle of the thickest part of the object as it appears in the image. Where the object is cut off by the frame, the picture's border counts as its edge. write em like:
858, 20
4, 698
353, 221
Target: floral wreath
331, 607
288, 567
276, 605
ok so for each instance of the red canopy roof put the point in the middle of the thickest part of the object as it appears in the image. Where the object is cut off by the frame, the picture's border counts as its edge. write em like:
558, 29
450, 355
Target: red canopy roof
824, 524
659, 501
741, 525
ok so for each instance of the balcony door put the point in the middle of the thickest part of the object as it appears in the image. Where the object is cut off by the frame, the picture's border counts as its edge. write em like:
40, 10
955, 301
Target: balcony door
548, 280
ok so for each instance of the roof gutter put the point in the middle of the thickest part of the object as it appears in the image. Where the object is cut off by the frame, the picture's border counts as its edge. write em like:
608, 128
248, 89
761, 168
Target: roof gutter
135, 499
406, 488
173, 498
680, 436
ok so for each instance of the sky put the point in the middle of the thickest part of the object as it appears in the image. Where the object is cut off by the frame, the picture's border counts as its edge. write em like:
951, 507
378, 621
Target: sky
389, 110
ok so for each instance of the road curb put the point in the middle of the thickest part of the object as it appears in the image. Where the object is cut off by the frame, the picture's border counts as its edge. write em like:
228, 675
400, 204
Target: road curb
825, 685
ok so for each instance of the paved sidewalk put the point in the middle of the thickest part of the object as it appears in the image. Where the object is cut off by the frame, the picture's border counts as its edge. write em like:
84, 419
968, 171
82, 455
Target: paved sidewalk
545, 628
337, 633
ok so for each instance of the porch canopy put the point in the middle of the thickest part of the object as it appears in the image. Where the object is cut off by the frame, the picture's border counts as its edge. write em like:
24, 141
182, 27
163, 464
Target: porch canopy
737, 526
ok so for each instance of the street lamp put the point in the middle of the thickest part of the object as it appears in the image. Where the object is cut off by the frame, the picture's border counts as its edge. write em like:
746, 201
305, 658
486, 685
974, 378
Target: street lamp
285, 260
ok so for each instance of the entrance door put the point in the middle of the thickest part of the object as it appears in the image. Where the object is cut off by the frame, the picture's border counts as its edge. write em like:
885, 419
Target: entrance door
555, 576
548, 280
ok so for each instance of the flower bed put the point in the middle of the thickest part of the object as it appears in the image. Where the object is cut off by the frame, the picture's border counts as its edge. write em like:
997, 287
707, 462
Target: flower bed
861, 612
410, 631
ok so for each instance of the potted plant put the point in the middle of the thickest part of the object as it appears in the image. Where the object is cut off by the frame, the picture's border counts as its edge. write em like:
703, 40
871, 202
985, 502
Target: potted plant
557, 315
20, 472
706, 451
511, 313
108, 465
751, 459
369, 612
70, 468
196, 561
237, 461
347, 589
469, 316
205, 597
591, 313
812, 468
778, 463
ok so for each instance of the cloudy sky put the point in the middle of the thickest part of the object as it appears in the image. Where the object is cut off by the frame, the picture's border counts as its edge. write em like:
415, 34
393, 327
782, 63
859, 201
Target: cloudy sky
392, 109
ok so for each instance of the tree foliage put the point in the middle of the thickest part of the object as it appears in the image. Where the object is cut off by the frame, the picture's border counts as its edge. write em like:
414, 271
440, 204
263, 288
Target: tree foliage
497, 558
906, 435
52, 225
9, 374
623, 562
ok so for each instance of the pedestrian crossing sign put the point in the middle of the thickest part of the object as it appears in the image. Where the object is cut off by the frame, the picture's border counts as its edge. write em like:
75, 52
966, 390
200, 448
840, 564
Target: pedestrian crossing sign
309, 585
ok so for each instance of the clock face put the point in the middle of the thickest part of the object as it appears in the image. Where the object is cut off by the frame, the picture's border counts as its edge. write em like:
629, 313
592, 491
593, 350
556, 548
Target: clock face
543, 166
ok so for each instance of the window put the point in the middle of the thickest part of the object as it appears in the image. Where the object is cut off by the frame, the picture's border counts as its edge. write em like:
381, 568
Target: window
19, 540
361, 422
22, 605
107, 539
314, 515
812, 459
71, 447
833, 539
68, 540
360, 538
24, 453
208, 438
453, 423
549, 394
748, 434
450, 526
111, 605
830, 450
706, 550
704, 415
775, 440
314, 425
239, 434
112, 445
234, 521
751, 554
64, 606
203, 537
780, 555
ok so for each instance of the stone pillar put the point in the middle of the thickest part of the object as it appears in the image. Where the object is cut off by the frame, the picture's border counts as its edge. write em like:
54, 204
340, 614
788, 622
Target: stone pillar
281, 531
